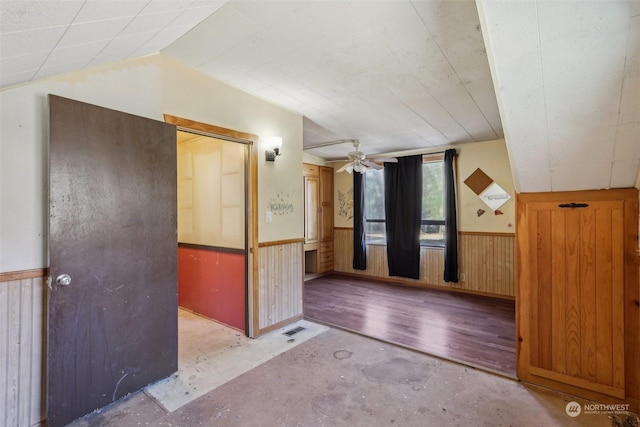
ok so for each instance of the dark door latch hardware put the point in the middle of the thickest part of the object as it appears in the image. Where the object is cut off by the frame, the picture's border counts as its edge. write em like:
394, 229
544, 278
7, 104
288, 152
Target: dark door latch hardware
573, 205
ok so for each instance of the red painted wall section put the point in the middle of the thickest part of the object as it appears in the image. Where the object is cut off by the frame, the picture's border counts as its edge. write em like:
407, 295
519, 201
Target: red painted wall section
212, 284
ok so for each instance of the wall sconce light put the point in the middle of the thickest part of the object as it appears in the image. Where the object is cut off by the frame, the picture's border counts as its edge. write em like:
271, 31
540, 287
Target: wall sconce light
274, 144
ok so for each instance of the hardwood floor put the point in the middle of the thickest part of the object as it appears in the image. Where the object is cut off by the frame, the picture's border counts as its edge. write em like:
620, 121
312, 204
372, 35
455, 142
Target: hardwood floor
473, 329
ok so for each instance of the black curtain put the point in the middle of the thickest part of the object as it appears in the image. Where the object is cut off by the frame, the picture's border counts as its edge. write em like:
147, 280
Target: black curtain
450, 218
359, 245
403, 211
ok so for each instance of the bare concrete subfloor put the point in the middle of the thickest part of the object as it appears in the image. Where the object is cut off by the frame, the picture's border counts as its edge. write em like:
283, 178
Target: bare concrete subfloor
342, 379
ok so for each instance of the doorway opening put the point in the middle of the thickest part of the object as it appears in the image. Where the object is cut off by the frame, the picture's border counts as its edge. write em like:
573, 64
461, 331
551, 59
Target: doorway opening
212, 228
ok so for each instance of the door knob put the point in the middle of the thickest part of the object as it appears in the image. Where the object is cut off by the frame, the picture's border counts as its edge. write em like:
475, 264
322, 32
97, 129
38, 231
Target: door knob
63, 280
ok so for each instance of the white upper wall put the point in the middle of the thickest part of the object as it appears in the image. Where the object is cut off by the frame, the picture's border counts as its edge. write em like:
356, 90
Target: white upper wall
148, 87
473, 214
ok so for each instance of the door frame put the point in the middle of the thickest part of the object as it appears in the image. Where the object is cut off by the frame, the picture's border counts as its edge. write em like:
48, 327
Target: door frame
251, 206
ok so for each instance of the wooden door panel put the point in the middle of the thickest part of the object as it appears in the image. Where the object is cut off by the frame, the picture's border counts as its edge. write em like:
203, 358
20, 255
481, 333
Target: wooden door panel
575, 276
587, 272
311, 217
558, 292
326, 204
113, 330
544, 290
573, 318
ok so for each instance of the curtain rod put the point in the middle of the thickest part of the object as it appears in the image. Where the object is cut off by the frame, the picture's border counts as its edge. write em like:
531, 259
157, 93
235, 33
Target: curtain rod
410, 153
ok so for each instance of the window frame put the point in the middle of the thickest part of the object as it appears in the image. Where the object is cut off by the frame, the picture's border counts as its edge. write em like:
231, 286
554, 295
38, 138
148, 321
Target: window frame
426, 158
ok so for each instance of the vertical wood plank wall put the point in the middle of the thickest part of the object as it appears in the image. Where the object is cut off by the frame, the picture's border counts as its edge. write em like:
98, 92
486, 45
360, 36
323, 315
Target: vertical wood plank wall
280, 282
487, 260
21, 346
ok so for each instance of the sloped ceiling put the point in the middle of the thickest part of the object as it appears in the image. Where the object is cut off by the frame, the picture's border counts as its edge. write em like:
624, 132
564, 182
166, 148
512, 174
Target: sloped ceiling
397, 75
568, 79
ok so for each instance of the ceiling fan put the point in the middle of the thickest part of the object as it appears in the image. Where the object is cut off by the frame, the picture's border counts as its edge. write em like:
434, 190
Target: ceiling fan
359, 162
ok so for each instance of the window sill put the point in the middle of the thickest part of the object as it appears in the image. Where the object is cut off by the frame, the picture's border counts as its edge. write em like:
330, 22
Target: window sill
376, 243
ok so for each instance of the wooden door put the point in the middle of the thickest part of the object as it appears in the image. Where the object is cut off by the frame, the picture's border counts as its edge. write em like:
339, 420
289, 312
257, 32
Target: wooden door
326, 204
311, 209
571, 282
113, 329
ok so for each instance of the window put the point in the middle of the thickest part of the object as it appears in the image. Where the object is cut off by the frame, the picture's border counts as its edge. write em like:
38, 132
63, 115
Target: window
432, 229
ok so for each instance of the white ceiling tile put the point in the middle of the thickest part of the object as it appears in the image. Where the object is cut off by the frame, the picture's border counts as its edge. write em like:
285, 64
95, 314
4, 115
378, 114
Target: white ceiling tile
584, 146
300, 61
531, 153
93, 31
630, 102
16, 44
269, 74
436, 116
573, 56
148, 49
632, 67
383, 22
301, 92
99, 10
624, 173
253, 52
627, 142
433, 12
160, 6
109, 58
458, 103
243, 81
484, 96
194, 47
277, 97
18, 64
61, 69
148, 23
215, 35
534, 180
293, 29
167, 36
573, 107
456, 25
572, 22
7, 80
593, 176
403, 84
193, 16
69, 54
127, 45
39, 14
266, 13
221, 71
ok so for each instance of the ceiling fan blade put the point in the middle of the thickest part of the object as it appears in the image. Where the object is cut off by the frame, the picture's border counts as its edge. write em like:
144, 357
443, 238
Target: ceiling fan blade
372, 165
346, 168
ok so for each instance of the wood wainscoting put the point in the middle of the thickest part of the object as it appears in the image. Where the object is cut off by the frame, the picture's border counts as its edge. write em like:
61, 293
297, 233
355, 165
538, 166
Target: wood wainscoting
486, 260
280, 284
21, 347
